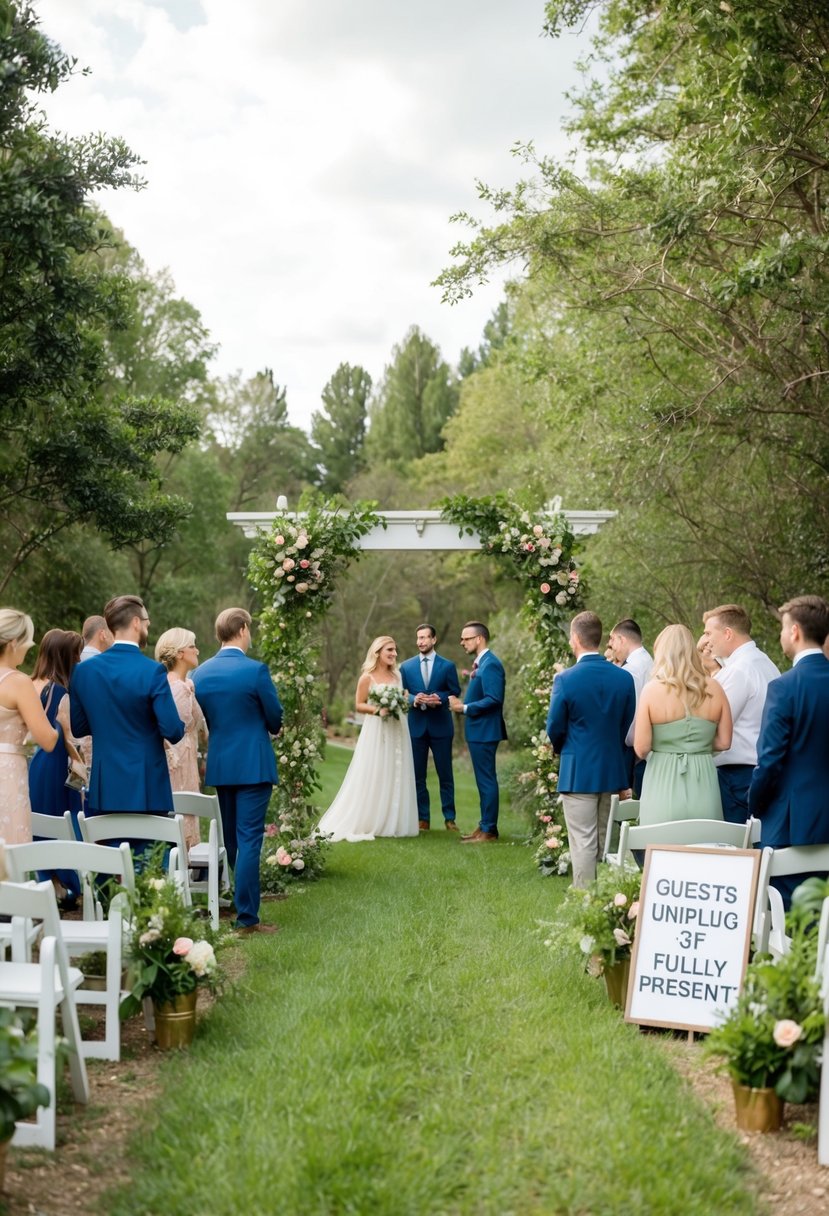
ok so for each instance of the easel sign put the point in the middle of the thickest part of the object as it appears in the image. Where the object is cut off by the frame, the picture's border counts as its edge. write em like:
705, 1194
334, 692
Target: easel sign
693, 934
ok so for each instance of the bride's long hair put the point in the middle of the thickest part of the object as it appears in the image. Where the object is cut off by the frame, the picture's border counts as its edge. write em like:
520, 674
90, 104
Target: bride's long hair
678, 666
373, 655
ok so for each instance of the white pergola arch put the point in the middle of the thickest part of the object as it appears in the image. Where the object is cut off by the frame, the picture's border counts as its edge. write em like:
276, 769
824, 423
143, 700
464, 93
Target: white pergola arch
424, 530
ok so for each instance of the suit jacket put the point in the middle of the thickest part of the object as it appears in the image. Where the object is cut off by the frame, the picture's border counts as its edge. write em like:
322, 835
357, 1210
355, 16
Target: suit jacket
788, 790
239, 702
591, 709
484, 701
437, 723
123, 701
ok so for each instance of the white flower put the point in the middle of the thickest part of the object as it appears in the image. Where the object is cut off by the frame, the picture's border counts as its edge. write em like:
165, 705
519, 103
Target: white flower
586, 944
152, 935
201, 958
298, 863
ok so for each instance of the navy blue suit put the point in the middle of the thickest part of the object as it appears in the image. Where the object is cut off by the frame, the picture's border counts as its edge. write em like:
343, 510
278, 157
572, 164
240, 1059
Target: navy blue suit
432, 729
242, 710
123, 701
788, 788
484, 729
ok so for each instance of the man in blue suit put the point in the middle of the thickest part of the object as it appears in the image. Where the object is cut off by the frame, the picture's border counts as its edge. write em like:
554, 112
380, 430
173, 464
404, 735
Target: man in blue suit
242, 710
430, 681
483, 710
123, 701
591, 709
788, 786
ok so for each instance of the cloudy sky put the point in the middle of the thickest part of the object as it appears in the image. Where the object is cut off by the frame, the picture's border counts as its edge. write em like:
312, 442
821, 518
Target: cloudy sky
303, 158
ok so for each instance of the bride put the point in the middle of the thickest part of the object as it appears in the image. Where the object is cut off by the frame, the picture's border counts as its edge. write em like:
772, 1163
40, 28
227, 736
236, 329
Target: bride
377, 796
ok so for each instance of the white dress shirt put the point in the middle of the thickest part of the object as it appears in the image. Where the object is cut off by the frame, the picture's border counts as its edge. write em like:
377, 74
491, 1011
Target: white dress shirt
744, 678
638, 664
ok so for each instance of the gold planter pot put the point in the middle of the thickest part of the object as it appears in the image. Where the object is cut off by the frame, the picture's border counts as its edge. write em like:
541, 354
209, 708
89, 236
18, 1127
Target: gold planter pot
175, 1021
4, 1150
757, 1110
616, 981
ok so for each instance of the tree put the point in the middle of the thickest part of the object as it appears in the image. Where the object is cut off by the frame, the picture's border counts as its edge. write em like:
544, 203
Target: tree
73, 452
416, 398
339, 431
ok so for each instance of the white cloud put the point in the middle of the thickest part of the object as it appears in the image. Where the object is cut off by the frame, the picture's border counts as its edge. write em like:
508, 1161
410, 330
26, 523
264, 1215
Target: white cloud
303, 159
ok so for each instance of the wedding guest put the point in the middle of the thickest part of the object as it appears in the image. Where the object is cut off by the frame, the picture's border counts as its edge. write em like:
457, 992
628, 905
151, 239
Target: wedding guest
123, 700
60, 651
788, 788
626, 644
711, 666
21, 713
377, 796
484, 727
744, 677
683, 717
591, 708
242, 710
176, 650
431, 680
97, 637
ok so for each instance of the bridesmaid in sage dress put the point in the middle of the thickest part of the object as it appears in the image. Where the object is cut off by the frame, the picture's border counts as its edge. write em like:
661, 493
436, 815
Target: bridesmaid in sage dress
21, 714
682, 719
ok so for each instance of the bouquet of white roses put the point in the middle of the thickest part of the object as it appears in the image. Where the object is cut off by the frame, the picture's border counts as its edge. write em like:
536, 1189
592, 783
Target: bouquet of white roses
389, 697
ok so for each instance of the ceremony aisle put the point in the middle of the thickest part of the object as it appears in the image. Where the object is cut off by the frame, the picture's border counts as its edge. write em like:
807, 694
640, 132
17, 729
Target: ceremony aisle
406, 1046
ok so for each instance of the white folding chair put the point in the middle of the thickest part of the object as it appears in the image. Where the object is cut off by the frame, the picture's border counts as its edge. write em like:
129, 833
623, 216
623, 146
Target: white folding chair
769, 914
96, 829
97, 933
713, 833
620, 812
45, 986
53, 827
210, 855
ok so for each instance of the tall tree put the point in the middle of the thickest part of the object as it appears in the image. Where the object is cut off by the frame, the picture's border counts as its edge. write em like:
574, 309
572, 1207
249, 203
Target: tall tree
72, 452
418, 395
339, 430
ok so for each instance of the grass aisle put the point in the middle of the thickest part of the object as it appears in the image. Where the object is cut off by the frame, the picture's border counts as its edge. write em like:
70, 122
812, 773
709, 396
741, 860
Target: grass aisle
404, 1046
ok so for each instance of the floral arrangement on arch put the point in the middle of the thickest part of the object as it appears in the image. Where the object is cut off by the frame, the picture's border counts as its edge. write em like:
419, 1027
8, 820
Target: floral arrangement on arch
294, 568
538, 549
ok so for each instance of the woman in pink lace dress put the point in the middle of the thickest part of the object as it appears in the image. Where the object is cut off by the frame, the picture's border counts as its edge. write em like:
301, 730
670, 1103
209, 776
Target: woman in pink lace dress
21, 714
177, 650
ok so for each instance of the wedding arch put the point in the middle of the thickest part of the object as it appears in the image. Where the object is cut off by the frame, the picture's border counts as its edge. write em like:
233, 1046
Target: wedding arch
294, 566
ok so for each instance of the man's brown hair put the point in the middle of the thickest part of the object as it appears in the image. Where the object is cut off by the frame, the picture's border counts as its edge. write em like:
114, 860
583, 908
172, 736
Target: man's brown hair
121, 610
588, 629
229, 624
731, 616
812, 615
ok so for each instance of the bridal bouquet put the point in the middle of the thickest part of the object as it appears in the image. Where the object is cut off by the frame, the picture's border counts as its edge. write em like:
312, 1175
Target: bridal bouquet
390, 697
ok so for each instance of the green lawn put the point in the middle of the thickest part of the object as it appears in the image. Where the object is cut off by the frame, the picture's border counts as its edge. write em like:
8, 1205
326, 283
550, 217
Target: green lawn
407, 1046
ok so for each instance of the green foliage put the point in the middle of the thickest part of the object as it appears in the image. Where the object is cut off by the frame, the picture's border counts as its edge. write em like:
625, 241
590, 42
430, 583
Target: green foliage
773, 1035
599, 920
338, 432
170, 948
417, 396
288, 857
20, 1091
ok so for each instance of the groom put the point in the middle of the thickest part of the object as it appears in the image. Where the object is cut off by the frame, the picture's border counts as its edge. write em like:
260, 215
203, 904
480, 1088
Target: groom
430, 681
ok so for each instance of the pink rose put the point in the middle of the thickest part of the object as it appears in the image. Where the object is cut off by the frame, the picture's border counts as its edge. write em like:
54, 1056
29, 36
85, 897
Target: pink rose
620, 899
302, 588
182, 946
633, 910
305, 563
621, 937
538, 530
529, 547
545, 588
553, 842
546, 818
283, 856
786, 1032
280, 540
288, 563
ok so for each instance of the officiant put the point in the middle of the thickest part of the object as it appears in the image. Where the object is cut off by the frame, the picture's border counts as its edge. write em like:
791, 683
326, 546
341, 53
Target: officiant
431, 680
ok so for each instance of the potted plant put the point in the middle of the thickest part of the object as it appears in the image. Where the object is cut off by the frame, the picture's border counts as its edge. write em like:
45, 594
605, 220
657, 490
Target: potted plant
600, 920
772, 1039
20, 1091
171, 954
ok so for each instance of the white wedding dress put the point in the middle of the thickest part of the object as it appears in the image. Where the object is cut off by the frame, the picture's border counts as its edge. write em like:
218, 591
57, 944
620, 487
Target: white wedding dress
377, 796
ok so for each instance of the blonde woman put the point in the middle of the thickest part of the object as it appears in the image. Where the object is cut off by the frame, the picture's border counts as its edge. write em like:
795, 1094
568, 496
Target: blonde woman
21, 713
377, 796
682, 719
177, 651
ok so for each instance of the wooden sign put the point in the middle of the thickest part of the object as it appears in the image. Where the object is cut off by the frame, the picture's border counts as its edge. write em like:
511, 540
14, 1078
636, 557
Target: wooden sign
693, 934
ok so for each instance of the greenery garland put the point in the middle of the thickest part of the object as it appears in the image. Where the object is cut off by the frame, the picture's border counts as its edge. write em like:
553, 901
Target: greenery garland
294, 567
538, 550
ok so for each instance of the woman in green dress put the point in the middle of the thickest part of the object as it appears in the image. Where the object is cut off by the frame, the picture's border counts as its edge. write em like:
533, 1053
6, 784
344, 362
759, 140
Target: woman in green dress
682, 719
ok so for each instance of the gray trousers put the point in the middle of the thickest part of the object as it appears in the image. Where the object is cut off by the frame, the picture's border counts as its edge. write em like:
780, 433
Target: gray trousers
586, 816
